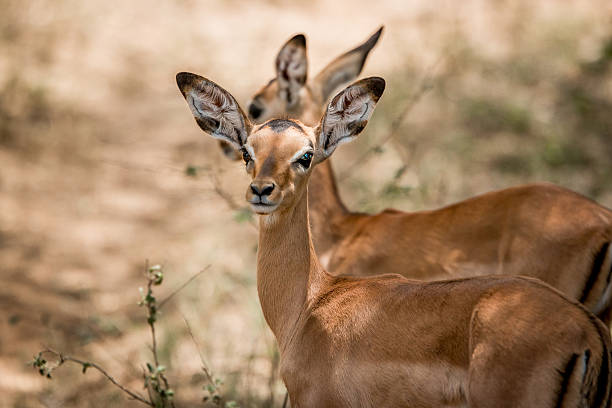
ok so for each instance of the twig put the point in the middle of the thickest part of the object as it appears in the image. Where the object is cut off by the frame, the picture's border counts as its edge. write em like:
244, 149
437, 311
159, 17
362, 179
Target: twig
425, 85
155, 277
177, 290
86, 364
214, 178
204, 366
227, 197
214, 384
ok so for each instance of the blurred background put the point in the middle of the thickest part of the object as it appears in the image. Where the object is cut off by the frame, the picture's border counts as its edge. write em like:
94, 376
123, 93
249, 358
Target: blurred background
102, 166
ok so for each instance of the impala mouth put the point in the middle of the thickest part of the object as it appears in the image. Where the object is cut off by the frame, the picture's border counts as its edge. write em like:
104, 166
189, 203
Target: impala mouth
263, 208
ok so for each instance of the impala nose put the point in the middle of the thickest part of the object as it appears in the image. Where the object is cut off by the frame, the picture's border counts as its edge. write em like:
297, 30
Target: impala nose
262, 189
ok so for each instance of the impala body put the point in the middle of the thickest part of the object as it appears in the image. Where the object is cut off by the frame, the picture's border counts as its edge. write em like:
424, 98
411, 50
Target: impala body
388, 341
540, 230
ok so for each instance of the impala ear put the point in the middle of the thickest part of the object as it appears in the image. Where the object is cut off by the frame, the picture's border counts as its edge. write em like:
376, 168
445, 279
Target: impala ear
291, 69
347, 114
215, 110
344, 69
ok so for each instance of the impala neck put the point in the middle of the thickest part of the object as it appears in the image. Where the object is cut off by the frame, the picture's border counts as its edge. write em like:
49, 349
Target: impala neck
288, 271
326, 207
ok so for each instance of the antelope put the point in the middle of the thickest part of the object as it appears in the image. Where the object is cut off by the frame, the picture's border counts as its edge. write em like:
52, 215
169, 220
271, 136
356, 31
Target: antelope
542, 230
491, 341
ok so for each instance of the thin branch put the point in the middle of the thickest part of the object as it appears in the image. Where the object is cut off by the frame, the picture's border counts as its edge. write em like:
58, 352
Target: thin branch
425, 85
207, 372
85, 364
226, 196
152, 309
177, 290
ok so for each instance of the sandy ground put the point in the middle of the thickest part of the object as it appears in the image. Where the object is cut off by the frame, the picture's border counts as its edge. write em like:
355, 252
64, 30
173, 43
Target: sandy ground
96, 139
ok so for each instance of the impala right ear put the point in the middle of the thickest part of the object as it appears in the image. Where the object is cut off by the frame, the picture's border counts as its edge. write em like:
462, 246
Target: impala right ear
347, 114
291, 69
215, 110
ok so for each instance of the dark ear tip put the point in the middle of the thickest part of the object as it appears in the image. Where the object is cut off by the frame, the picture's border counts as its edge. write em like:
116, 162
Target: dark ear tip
375, 85
299, 40
371, 42
379, 32
184, 79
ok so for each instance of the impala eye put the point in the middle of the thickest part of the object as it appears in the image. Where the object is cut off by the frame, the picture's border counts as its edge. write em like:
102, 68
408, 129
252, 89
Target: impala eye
305, 160
246, 156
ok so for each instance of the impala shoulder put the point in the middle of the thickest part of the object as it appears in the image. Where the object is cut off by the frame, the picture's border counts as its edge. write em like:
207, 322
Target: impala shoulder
351, 306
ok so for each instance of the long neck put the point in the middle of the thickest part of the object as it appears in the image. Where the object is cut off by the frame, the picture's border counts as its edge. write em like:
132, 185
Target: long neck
327, 211
326, 208
288, 271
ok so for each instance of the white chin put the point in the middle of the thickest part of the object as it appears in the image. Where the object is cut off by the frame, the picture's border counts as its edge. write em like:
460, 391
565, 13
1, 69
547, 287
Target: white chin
263, 208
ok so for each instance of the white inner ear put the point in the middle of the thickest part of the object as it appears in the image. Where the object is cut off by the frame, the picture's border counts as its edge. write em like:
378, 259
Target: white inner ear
293, 61
359, 108
210, 102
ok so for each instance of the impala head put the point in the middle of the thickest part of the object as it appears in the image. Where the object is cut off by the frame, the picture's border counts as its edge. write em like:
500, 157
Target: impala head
287, 92
280, 153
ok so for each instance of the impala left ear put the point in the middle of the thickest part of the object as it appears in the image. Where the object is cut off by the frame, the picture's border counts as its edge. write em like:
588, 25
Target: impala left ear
348, 114
215, 110
291, 69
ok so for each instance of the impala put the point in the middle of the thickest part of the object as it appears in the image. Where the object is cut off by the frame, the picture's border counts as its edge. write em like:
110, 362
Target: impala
541, 230
387, 340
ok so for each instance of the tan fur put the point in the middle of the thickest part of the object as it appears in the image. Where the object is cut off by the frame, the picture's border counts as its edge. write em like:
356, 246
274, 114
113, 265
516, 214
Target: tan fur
392, 342
552, 233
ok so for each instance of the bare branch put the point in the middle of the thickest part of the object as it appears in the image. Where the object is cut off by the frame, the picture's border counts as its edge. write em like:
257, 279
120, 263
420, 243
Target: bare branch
424, 85
204, 366
226, 196
86, 364
177, 290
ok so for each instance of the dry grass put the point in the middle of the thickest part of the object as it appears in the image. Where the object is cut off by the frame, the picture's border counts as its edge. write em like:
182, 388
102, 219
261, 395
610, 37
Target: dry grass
95, 138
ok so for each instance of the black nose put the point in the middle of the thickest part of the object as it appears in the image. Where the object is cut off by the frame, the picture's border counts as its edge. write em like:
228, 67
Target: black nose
254, 111
262, 190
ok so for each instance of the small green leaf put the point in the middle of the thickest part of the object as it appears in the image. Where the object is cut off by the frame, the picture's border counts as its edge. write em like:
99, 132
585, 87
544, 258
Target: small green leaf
243, 215
85, 367
191, 171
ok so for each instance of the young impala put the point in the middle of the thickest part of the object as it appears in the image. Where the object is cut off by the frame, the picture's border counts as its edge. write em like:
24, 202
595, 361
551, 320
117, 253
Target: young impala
388, 341
541, 230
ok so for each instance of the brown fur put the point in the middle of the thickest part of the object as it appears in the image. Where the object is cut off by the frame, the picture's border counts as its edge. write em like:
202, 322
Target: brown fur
388, 341
542, 230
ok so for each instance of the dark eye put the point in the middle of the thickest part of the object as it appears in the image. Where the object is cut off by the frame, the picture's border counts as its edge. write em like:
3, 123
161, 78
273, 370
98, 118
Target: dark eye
305, 160
246, 156
255, 111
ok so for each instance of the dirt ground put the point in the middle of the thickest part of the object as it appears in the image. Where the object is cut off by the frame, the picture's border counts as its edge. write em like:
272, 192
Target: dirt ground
95, 140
